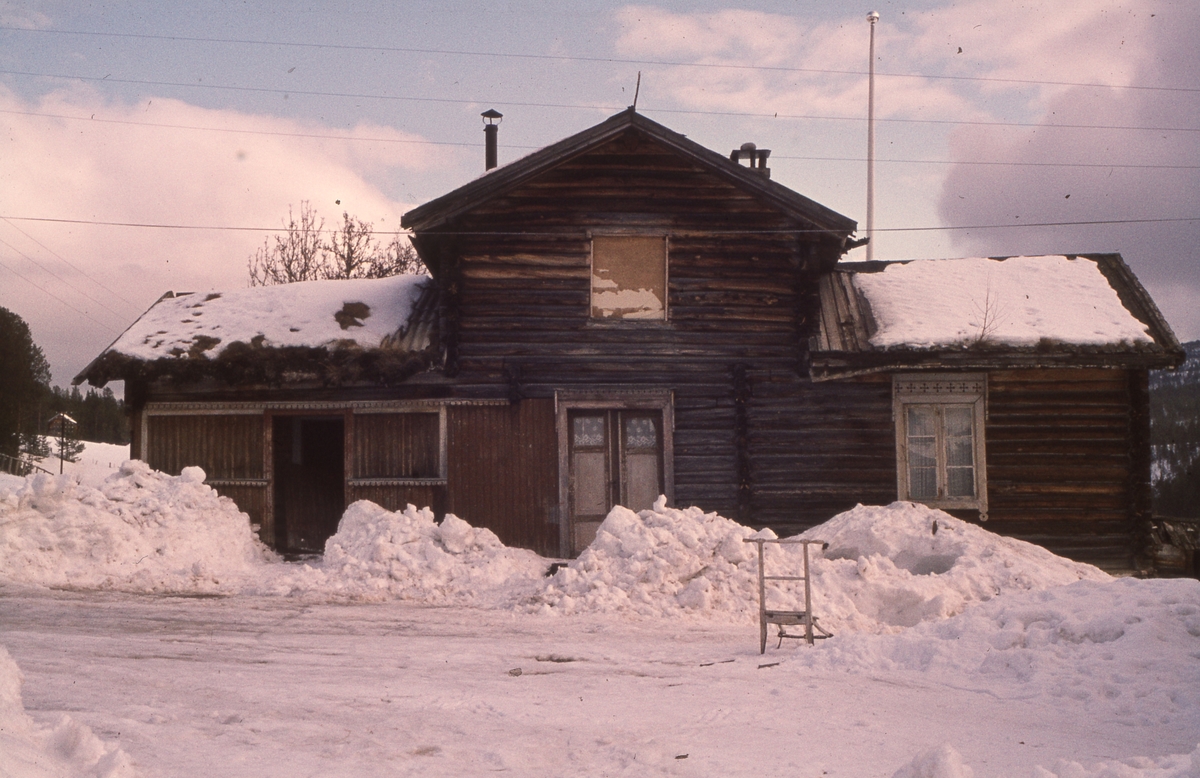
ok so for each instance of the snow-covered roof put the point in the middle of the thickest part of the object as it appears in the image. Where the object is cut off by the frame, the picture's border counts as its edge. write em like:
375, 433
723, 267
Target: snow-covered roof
362, 312
1018, 301
982, 312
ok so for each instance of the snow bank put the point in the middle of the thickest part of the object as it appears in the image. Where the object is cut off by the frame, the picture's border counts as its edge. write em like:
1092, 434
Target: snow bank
886, 568
1175, 766
140, 530
1125, 644
892, 567
380, 554
68, 749
660, 562
945, 762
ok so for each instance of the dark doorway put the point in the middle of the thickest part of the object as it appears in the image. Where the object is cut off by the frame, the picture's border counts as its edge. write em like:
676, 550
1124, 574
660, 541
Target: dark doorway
309, 481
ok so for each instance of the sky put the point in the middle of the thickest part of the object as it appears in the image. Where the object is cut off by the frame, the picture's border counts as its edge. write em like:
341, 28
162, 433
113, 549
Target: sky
155, 146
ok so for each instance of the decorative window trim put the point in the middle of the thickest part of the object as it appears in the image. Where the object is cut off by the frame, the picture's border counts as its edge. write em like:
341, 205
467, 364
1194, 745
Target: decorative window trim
622, 321
961, 389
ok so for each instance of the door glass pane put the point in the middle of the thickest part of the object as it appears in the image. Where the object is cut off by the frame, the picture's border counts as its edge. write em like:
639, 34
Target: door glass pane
640, 433
590, 483
641, 481
588, 431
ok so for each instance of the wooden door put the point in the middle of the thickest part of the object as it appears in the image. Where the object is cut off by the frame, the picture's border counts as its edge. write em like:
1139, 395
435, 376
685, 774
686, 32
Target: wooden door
615, 458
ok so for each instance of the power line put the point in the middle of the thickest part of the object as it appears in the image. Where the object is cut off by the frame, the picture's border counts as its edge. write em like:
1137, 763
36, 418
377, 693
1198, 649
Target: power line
463, 144
38, 286
1103, 165
592, 107
64, 281
72, 265
604, 60
231, 228
162, 125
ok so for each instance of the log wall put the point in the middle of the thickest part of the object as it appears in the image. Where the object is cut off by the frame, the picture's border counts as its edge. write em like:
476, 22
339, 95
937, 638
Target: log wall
1061, 467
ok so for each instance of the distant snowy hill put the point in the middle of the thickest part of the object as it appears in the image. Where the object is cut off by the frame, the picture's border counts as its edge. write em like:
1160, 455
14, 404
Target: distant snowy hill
1175, 436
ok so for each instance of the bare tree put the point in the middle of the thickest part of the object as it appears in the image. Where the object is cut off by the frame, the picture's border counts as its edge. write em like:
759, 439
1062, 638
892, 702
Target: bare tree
398, 258
352, 251
298, 253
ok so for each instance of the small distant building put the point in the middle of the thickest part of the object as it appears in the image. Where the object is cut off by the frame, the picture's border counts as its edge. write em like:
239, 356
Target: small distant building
626, 314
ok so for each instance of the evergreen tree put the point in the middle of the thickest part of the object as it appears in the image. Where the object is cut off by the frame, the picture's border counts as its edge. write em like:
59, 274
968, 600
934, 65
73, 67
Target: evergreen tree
24, 374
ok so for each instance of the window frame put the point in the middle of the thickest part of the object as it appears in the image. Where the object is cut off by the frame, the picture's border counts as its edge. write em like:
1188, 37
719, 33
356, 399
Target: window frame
666, 279
940, 391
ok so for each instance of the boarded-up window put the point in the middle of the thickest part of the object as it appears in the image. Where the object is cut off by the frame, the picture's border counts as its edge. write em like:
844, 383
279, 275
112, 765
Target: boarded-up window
629, 277
397, 445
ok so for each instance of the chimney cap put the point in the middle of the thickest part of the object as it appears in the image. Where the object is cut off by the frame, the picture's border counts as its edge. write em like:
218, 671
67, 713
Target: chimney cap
490, 115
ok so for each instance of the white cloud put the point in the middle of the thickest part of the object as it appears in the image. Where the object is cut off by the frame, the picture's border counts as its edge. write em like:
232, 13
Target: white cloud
118, 168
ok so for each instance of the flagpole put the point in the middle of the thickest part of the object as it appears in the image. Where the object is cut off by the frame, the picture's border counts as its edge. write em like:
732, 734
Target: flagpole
872, 18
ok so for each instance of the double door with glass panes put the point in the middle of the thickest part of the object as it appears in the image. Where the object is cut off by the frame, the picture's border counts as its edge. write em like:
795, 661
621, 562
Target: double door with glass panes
615, 459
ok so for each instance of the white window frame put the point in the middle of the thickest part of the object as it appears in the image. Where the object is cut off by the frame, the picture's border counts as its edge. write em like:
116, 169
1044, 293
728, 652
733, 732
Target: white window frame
942, 390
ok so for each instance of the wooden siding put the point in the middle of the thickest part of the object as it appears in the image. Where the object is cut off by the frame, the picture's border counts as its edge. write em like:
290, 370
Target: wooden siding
398, 497
228, 448
741, 294
504, 471
1060, 469
224, 446
396, 445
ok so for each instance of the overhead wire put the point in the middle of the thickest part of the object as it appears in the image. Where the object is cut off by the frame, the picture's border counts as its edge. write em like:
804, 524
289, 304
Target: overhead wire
603, 60
64, 281
582, 106
72, 265
235, 228
465, 144
38, 286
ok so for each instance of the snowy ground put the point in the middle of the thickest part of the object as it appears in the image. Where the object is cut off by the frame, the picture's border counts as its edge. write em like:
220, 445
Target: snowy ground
156, 638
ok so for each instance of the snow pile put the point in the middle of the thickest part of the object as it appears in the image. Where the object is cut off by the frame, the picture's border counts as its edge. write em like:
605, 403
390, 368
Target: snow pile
940, 762
886, 568
406, 555
659, 562
1097, 642
945, 762
140, 530
1018, 301
891, 567
1175, 766
307, 313
69, 749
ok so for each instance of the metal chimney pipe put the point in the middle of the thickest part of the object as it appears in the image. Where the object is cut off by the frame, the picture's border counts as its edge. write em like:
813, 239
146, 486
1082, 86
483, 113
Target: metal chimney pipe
491, 128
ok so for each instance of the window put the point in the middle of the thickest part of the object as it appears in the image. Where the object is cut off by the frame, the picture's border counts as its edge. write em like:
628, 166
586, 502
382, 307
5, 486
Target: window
629, 277
939, 440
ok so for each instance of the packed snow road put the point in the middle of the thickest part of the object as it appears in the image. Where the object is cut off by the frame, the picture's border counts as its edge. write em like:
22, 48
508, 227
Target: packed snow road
246, 686
145, 631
